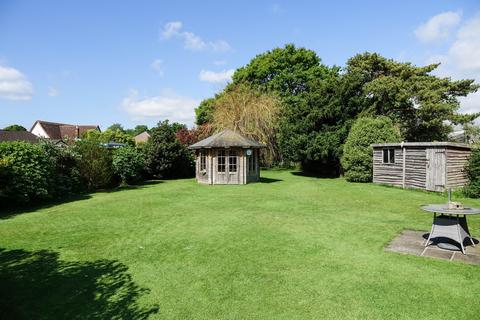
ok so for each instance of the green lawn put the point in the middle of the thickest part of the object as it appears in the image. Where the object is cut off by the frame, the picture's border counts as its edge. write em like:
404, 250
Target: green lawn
290, 247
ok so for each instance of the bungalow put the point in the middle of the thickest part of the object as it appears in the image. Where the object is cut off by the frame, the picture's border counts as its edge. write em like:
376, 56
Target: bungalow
60, 131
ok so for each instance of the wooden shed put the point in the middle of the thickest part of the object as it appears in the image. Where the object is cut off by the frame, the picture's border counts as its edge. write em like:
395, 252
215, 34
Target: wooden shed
227, 158
434, 166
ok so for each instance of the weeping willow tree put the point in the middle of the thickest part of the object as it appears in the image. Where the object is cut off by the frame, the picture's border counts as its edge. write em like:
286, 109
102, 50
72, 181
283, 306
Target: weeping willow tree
251, 113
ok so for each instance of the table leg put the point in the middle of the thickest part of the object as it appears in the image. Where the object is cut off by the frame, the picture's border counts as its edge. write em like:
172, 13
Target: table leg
460, 234
431, 230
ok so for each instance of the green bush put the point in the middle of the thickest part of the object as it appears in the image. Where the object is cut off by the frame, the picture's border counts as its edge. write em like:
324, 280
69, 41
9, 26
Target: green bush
472, 189
165, 156
94, 165
65, 179
25, 171
357, 153
128, 164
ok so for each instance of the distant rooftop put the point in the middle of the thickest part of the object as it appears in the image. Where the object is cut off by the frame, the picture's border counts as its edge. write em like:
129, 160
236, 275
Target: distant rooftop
17, 136
422, 144
226, 139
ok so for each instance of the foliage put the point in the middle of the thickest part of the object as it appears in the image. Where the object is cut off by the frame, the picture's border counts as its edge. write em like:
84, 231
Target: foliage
472, 189
26, 169
109, 135
358, 153
137, 130
165, 156
253, 114
116, 127
315, 124
15, 127
95, 164
65, 179
128, 164
419, 101
188, 136
286, 71
204, 112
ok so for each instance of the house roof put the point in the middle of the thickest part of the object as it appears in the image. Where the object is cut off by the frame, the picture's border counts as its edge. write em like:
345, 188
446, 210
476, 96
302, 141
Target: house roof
226, 139
142, 137
17, 136
422, 145
63, 130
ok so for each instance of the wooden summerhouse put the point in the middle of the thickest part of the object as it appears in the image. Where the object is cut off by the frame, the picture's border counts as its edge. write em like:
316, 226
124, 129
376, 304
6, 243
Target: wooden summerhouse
434, 166
227, 158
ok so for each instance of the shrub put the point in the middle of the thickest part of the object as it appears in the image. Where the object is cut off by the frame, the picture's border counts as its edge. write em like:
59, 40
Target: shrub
65, 179
95, 164
472, 189
128, 164
26, 172
358, 153
165, 156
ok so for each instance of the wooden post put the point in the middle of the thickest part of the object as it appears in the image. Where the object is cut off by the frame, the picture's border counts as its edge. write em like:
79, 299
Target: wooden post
404, 151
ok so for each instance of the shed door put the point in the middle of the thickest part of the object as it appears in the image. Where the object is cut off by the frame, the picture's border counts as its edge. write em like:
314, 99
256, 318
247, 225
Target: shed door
436, 170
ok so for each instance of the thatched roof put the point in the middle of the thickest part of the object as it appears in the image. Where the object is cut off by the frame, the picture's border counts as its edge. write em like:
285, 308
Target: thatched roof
226, 139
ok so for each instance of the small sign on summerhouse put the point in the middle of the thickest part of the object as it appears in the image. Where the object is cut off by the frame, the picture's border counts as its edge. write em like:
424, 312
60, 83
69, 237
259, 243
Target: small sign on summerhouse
227, 158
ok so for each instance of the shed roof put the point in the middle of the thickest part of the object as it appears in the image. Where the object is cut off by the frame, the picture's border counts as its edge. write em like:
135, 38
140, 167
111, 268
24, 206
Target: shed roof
422, 145
226, 139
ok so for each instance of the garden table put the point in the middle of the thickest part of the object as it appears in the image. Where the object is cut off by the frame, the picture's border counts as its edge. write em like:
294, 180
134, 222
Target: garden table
449, 224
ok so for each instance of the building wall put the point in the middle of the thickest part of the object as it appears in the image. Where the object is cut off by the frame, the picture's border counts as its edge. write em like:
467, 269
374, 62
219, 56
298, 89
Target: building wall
456, 161
39, 132
419, 167
212, 176
253, 176
415, 167
388, 173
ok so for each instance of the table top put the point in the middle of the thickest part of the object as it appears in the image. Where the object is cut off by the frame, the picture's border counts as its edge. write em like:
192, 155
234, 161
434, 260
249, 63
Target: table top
443, 209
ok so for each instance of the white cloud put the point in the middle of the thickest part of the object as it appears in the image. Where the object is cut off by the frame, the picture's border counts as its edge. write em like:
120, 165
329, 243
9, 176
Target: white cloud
14, 85
438, 27
53, 92
157, 65
461, 60
216, 77
167, 105
191, 41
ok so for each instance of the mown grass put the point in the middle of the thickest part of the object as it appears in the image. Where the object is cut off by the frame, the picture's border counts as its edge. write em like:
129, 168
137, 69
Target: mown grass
291, 247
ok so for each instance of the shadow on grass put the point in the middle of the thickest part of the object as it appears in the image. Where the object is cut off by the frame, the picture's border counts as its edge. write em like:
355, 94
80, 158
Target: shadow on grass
315, 174
269, 180
9, 210
37, 285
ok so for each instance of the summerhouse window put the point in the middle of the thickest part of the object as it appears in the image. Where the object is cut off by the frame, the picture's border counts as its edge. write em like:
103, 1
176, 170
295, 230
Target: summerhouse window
251, 163
388, 155
203, 161
221, 161
232, 161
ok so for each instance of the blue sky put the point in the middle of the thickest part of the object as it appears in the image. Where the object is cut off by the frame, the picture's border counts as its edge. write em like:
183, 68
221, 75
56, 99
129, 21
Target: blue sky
138, 62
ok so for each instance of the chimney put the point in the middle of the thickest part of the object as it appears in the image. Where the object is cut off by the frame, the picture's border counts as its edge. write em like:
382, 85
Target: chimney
77, 131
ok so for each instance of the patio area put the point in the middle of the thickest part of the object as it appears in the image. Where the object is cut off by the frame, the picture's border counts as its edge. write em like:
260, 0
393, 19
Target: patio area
413, 242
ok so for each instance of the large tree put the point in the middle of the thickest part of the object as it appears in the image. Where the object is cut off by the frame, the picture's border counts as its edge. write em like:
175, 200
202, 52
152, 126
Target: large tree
252, 113
423, 104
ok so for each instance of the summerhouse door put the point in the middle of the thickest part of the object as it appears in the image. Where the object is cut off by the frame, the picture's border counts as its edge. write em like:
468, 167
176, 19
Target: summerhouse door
436, 169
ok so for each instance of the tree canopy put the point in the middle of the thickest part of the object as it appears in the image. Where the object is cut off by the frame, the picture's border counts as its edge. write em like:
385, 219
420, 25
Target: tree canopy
15, 127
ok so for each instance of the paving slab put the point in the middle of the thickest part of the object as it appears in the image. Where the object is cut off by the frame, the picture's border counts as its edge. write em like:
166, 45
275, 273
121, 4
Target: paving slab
413, 242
